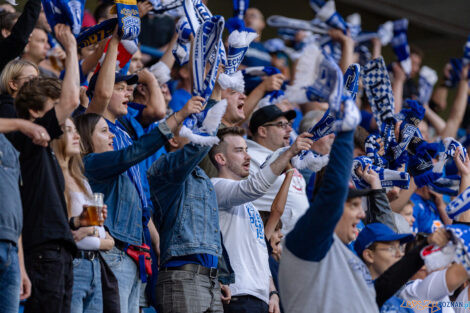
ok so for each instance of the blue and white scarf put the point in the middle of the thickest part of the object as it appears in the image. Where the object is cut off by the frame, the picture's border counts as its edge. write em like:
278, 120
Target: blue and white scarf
305, 159
169, 7
388, 178
97, 33
466, 52
324, 127
451, 146
459, 205
200, 128
331, 17
446, 185
400, 44
274, 45
239, 8
427, 80
372, 148
385, 33
461, 238
318, 78
349, 118
238, 42
351, 80
279, 21
261, 71
379, 90
128, 19
182, 47
64, 12
273, 97
316, 5
196, 13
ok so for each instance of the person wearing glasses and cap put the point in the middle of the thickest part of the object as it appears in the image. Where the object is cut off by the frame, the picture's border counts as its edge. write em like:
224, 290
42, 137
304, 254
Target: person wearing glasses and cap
381, 248
270, 128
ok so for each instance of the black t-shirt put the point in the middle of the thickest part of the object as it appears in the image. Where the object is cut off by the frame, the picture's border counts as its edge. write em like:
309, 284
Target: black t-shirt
42, 191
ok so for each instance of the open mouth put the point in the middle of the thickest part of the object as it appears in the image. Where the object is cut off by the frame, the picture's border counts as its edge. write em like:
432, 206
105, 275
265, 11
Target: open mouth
240, 106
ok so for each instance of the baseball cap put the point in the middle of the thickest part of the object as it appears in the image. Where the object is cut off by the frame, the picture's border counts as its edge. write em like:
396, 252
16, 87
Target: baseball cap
129, 79
267, 114
378, 232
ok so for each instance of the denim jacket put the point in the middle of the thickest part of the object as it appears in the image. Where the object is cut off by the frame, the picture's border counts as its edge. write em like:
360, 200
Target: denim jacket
186, 211
11, 212
106, 173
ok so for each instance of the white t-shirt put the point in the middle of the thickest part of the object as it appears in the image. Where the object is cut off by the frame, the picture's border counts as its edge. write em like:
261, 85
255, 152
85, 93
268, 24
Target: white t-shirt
297, 201
77, 200
462, 298
433, 288
243, 232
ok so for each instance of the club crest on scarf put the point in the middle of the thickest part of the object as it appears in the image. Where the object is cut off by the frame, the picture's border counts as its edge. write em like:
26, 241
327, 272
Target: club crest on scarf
128, 19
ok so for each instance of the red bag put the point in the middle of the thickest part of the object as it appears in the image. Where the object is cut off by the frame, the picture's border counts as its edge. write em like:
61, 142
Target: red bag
141, 256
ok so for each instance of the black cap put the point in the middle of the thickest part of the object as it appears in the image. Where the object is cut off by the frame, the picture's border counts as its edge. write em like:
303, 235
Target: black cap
129, 79
355, 193
267, 114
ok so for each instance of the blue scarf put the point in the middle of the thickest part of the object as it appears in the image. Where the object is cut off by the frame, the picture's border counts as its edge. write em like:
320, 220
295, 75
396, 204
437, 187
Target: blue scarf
446, 185
316, 5
400, 44
427, 80
238, 42
200, 128
331, 17
159, 7
372, 148
461, 235
128, 19
466, 52
64, 12
324, 127
351, 80
97, 33
239, 8
388, 178
279, 21
183, 44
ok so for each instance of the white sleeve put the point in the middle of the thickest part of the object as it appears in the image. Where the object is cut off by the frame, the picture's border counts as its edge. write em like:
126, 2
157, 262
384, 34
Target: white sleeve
89, 243
232, 193
433, 287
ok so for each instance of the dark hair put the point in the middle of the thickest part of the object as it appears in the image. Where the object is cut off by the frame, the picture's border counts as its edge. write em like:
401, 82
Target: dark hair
86, 124
8, 20
101, 11
265, 217
416, 50
221, 134
34, 94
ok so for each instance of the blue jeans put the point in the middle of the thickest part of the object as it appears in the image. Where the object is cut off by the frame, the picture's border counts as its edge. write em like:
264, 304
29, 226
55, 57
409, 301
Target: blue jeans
9, 278
127, 274
86, 292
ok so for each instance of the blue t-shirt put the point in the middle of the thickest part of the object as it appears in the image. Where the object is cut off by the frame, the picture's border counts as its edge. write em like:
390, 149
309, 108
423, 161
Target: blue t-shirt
427, 218
179, 99
204, 259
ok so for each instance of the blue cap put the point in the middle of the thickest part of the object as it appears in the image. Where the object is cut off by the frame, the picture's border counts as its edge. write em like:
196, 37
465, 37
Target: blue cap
378, 232
129, 79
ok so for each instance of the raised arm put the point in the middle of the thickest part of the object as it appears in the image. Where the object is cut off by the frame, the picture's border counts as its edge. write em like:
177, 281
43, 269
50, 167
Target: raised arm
399, 78
155, 106
105, 81
101, 166
270, 83
90, 62
231, 193
434, 119
12, 46
312, 236
347, 48
70, 93
278, 205
459, 106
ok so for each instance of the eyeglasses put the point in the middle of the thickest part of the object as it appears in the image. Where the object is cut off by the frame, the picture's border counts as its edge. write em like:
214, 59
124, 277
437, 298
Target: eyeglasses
393, 249
282, 125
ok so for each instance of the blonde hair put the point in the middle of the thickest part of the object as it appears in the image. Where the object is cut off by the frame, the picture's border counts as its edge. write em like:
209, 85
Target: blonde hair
11, 72
74, 166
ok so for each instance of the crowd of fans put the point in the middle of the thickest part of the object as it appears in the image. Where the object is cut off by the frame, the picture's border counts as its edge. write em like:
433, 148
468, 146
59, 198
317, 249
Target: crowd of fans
298, 174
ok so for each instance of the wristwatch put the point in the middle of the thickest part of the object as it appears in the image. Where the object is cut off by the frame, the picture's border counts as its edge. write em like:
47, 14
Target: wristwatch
72, 223
274, 292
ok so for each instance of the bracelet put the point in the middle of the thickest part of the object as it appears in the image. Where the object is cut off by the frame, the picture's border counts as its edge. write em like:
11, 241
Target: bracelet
72, 223
290, 170
274, 292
